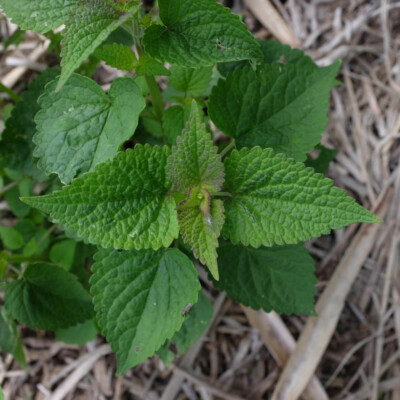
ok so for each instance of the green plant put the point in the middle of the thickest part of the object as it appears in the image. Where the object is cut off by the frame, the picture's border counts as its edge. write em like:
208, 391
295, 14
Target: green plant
243, 208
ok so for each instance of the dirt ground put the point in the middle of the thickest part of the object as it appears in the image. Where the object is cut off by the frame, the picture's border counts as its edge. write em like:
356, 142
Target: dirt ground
352, 349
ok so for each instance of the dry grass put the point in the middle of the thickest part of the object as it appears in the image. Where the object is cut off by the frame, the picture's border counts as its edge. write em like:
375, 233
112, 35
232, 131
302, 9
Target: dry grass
362, 331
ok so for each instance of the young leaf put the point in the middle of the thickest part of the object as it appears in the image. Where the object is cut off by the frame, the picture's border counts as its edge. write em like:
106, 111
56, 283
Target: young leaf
123, 203
48, 297
89, 25
80, 126
10, 341
278, 201
194, 326
63, 253
149, 66
194, 160
174, 121
79, 334
16, 141
199, 33
193, 81
139, 298
38, 15
279, 278
11, 238
201, 227
117, 56
282, 107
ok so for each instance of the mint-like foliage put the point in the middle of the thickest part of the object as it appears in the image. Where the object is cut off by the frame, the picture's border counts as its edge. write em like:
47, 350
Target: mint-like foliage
80, 126
200, 223
48, 297
193, 327
116, 55
283, 107
194, 160
123, 203
90, 23
38, 15
276, 200
174, 120
16, 141
199, 33
140, 298
197, 171
193, 81
279, 278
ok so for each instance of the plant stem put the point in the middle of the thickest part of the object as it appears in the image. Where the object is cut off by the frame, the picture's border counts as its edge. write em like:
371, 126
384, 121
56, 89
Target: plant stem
156, 97
10, 92
228, 148
19, 258
225, 194
7, 187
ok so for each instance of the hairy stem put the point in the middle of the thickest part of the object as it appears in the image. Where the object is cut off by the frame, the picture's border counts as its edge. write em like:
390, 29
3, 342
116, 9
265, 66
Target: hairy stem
228, 148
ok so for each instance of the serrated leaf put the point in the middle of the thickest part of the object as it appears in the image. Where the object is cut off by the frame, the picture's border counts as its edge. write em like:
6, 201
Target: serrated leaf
116, 55
123, 203
201, 227
89, 25
16, 145
283, 107
38, 15
11, 238
79, 334
199, 33
139, 298
278, 278
193, 81
174, 121
48, 297
149, 66
274, 52
193, 327
10, 341
194, 160
276, 200
80, 126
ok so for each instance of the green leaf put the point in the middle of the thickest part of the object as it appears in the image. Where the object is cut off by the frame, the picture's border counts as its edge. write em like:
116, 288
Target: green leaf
11, 238
194, 160
274, 52
192, 81
174, 121
79, 334
139, 298
123, 203
10, 341
278, 201
323, 159
15, 39
89, 25
17, 207
283, 107
194, 326
116, 55
16, 145
80, 126
48, 297
38, 15
149, 66
3, 263
199, 33
279, 278
63, 253
201, 226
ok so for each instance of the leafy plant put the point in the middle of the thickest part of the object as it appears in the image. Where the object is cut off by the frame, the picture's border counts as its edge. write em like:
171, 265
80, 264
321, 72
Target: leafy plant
243, 208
